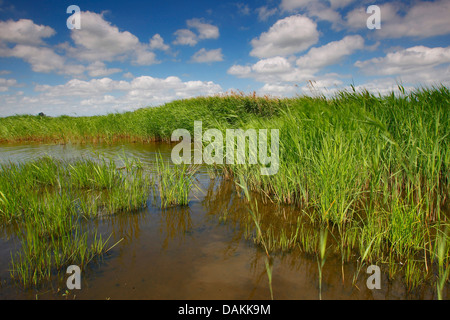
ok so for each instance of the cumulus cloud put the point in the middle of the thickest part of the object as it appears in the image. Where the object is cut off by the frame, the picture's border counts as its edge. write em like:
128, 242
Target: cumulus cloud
272, 71
98, 96
325, 10
5, 84
331, 53
272, 65
406, 61
284, 74
24, 31
99, 40
417, 65
157, 43
340, 3
422, 19
243, 9
204, 31
185, 37
23, 39
287, 36
292, 5
265, 13
98, 69
239, 71
128, 75
382, 86
42, 59
278, 89
205, 56
142, 56
319, 86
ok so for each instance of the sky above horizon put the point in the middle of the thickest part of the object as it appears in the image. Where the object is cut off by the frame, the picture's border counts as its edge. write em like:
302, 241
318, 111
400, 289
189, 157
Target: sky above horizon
133, 54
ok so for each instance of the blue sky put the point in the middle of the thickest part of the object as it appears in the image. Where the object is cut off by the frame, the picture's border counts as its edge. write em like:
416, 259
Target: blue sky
133, 54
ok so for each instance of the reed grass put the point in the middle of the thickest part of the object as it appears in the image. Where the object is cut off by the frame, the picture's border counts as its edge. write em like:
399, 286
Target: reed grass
175, 182
48, 200
374, 170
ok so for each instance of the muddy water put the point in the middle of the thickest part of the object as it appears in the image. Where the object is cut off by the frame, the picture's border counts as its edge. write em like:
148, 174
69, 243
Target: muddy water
195, 252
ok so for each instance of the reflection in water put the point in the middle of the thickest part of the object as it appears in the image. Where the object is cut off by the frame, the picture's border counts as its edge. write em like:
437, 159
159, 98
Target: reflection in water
202, 251
175, 222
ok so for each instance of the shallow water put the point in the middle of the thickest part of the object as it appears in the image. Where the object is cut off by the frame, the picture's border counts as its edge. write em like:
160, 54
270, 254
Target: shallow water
195, 252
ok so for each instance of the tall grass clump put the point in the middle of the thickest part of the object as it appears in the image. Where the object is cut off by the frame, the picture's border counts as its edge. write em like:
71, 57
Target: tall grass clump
48, 201
175, 182
375, 170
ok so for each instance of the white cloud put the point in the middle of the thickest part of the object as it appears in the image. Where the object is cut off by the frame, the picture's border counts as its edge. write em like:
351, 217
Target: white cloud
128, 75
287, 36
406, 61
292, 5
188, 37
340, 3
273, 70
42, 59
423, 19
282, 90
99, 40
265, 13
318, 86
272, 65
5, 84
99, 96
26, 38
326, 10
204, 56
280, 76
157, 43
418, 65
382, 86
185, 37
205, 30
243, 9
240, 71
95, 42
24, 31
331, 53
143, 56
98, 69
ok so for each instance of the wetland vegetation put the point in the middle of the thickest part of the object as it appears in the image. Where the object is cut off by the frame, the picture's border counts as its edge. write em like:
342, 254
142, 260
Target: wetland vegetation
366, 179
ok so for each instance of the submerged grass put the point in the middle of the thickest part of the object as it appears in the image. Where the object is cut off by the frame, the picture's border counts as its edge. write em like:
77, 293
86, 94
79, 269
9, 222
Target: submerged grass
175, 182
47, 200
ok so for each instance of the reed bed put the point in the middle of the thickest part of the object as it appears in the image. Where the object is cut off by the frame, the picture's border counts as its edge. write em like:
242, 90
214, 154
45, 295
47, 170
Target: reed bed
146, 124
374, 171
47, 200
